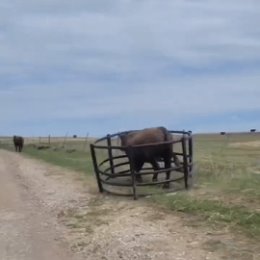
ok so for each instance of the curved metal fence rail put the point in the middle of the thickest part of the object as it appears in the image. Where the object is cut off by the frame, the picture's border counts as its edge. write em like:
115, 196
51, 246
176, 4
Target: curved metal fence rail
113, 168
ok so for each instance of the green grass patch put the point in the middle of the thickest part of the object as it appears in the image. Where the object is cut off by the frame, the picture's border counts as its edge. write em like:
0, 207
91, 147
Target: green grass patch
76, 160
68, 156
237, 217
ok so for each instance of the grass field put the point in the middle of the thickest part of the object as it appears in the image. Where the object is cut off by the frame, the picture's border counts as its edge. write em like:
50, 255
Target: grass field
226, 192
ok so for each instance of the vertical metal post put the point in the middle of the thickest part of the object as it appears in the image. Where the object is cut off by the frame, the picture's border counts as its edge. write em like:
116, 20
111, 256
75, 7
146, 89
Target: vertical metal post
190, 153
132, 170
94, 160
185, 162
110, 154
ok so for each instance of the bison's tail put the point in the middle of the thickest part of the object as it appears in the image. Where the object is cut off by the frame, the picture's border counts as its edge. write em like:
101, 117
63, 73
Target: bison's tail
165, 133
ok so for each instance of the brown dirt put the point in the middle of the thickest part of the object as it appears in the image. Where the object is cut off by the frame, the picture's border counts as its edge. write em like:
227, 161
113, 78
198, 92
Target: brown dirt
47, 212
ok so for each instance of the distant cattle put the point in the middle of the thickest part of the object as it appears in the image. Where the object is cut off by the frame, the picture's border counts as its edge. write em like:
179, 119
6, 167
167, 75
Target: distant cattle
18, 143
149, 153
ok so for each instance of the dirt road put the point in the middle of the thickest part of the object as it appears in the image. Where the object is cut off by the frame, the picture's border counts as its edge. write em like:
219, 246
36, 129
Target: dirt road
27, 229
50, 213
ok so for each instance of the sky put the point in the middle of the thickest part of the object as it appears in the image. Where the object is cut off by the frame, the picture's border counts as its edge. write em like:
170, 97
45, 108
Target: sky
93, 67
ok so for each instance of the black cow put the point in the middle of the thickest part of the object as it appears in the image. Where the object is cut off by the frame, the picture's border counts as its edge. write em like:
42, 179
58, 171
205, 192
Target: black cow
18, 143
150, 154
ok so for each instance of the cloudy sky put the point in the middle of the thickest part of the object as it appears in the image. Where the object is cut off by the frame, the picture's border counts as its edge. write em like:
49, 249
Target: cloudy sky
102, 66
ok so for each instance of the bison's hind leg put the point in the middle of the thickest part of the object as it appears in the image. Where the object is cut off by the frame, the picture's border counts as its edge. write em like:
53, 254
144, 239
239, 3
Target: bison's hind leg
138, 166
156, 168
167, 163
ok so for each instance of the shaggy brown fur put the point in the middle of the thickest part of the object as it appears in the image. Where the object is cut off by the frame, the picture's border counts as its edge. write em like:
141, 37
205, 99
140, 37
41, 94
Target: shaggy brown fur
150, 154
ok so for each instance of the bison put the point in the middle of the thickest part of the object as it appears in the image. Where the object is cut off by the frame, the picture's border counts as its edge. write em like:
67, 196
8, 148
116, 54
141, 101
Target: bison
18, 143
161, 149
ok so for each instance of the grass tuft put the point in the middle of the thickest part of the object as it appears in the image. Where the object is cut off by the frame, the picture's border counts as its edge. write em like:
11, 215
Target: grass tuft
238, 217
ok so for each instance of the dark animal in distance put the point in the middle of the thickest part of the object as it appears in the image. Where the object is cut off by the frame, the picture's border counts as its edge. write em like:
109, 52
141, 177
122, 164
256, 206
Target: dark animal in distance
149, 153
18, 143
